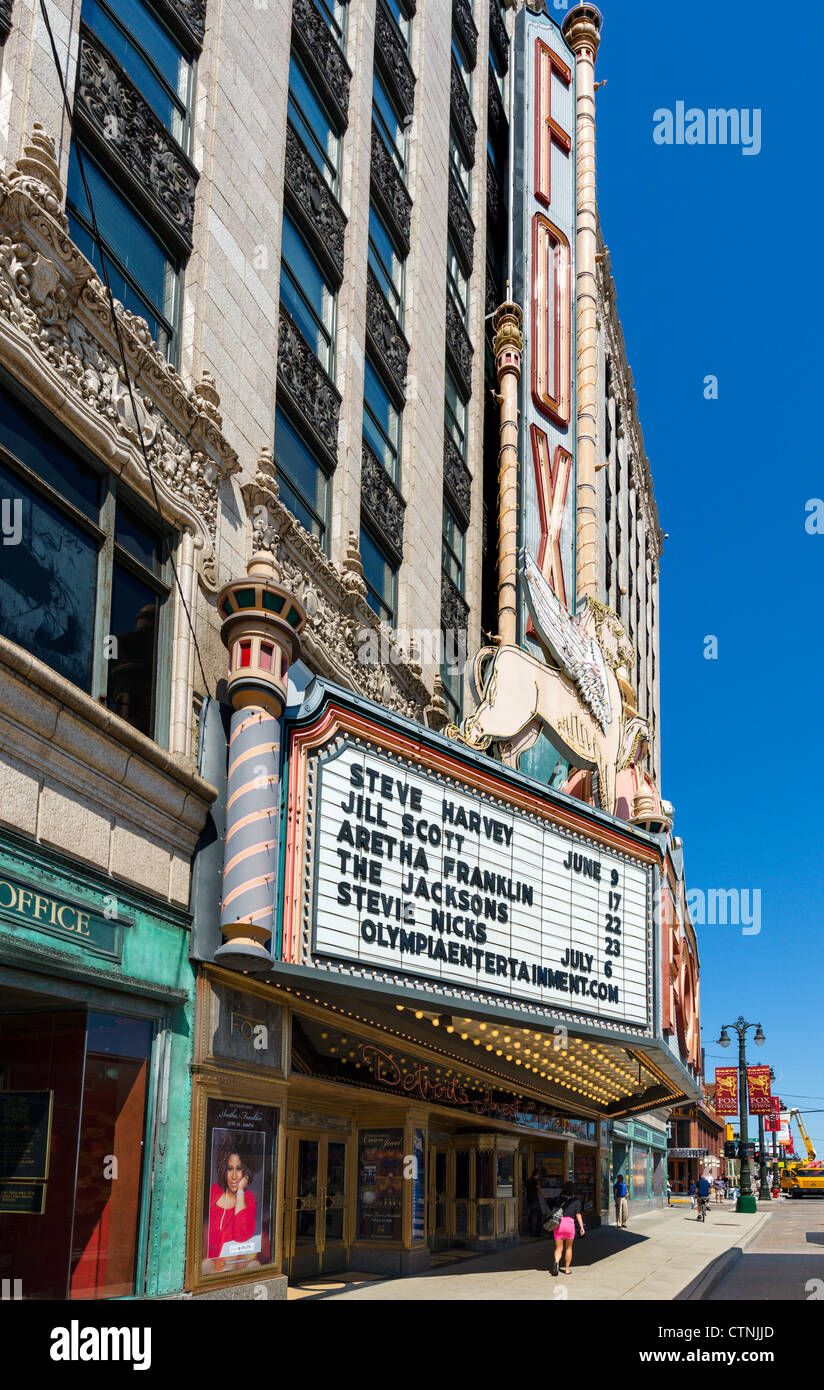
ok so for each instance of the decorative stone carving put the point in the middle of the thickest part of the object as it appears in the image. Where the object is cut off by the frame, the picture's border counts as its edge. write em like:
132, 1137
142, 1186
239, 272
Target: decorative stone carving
458, 346
493, 194
454, 607
6, 7
310, 392
461, 225
464, 26
57, 338
498, 37
384, 335
382, 502
390, 57
120, 123
493, 298
314, 205
464, 122
321, 54
344, 640
457, 480
437, 711
190, 15
498, 124
391, 193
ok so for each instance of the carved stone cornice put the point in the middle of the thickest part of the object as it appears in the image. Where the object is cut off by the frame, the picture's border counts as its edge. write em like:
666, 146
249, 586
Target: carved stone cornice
314, 205
462, 119
344, 640
311, 396
391, 193
498, 37
461, 224
493, 194
457, 480
394, 65
57, 339
187, 18
6, 7
382, 503
466, 29
121, 126
454, 607
498, 125
317, 48
458, 346
385, 337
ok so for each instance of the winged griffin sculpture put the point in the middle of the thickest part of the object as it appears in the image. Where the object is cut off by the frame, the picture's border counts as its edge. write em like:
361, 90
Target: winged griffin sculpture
585, 701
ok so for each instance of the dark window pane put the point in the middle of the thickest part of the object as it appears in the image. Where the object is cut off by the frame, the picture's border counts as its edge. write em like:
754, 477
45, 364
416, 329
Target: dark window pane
380, 578
143, 274
313, 125
23, 434
388, 122
381, 421
142, 541
134, 625
48, 581
303, 483
141, 31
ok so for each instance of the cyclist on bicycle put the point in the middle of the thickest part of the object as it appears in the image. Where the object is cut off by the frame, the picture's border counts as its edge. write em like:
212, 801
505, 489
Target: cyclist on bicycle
704, 1191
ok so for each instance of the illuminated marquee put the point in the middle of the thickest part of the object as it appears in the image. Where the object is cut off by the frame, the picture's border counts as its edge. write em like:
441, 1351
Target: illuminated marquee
406, 865
544, 282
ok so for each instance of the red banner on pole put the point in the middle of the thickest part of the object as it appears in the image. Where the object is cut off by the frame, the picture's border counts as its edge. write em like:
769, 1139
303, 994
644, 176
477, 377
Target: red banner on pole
726, 1090
772, 1122
758, 1090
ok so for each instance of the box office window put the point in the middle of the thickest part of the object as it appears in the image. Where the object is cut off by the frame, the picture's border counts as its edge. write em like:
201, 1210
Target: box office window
83, 569
380, 1184
95, 1068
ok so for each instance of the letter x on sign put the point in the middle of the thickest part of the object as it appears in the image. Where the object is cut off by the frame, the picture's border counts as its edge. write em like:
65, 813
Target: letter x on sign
552, 483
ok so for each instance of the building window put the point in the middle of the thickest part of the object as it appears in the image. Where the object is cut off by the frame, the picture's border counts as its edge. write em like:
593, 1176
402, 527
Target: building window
303, 482
462, 64
381, 578
399, 16
313, 124
145, 49
455, 413
460, 167
497, 73
307, 295
381, 422
334, 13
143, 272
84, 588
457, 282
453, 548
453, 689
386, 263
390, 125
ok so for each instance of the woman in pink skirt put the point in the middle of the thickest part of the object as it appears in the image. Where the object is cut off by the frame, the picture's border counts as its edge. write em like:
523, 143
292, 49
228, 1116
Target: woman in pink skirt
565, 1231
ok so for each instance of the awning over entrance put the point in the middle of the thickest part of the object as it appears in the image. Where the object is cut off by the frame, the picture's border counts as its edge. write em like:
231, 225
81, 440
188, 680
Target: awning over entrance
578, 1070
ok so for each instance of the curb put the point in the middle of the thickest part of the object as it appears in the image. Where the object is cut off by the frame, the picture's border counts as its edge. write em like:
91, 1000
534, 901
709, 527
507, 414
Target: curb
704, 1283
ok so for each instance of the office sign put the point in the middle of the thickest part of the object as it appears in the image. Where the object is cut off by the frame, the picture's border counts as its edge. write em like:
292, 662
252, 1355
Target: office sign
418, 875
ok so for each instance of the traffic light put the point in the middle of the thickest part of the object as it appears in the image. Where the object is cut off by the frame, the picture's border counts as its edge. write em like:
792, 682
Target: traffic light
730, 1149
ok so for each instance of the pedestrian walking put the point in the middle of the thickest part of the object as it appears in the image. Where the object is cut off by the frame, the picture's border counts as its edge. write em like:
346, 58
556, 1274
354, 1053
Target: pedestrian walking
621, 1193
569, 1211
718, 1187
669, 1193
533, 1203
693, 1188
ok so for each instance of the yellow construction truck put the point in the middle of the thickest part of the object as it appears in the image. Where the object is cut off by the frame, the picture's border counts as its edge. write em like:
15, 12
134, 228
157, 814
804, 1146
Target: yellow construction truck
802, 1176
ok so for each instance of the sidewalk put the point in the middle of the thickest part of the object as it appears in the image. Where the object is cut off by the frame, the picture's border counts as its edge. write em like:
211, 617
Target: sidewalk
660, 1256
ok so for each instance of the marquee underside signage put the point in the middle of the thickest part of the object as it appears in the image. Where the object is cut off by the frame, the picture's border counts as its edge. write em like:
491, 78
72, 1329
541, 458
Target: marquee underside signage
411, 874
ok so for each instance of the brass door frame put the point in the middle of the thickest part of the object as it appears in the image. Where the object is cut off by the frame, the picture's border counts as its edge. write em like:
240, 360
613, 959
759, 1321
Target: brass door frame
294, 1137
434, 1231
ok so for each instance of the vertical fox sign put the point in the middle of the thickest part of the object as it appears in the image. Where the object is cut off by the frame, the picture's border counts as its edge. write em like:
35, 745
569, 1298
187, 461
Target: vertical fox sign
543, 268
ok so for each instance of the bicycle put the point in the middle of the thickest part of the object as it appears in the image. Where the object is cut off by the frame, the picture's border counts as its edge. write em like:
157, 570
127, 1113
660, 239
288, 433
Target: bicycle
703, 1208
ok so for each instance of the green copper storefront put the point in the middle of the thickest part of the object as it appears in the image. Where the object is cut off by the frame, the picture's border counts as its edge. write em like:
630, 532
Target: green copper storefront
96, 997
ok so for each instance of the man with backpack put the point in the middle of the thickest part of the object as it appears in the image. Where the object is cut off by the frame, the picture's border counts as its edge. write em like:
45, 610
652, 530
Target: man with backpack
621, 1193
704, 1192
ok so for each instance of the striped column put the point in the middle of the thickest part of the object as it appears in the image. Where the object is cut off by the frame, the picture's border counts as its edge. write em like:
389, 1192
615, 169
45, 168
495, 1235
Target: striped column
250, 861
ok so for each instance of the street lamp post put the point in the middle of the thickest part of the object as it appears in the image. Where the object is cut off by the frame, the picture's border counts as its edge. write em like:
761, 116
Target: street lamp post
763, 1186
774, 1140
746, 1197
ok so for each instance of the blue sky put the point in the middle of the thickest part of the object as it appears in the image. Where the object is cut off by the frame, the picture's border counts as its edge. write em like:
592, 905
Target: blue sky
717, 273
